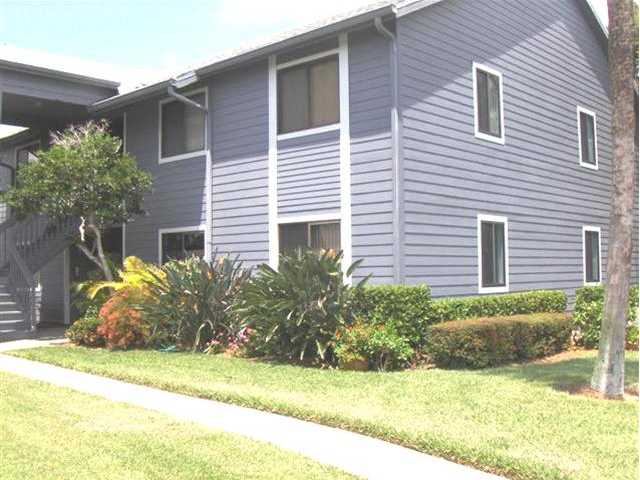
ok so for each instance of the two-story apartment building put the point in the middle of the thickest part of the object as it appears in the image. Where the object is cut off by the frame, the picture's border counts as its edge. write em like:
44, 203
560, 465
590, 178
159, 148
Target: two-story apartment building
463, 144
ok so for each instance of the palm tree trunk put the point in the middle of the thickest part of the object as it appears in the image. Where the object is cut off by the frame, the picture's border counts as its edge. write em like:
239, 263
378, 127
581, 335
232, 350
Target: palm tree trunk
608, 374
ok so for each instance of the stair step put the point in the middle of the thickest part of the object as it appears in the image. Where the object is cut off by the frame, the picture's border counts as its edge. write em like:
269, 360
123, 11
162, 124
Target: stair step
11, 315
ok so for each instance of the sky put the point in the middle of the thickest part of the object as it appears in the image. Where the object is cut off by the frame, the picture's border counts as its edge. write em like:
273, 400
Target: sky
136, 41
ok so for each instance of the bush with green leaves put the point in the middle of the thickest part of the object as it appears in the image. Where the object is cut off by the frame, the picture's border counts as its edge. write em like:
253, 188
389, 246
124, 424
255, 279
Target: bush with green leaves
295, 312
588, 313
191, 301
84, 331
487, 342
379, 347
537, 301
405, 308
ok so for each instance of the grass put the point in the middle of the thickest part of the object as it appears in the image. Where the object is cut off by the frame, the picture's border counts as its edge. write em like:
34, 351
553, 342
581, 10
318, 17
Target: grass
50, 432
516, 420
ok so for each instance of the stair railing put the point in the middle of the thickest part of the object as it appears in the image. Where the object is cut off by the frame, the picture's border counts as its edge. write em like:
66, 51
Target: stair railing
23, 285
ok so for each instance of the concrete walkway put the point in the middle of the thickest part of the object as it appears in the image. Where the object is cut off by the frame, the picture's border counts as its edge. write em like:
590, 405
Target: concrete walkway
357, 454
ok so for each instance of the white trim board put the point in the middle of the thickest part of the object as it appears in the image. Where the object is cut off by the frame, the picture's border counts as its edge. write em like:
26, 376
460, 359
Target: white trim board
345, 153
312, 217
591, 113
309, 131
495, 219
273, 164
308, 58
590, 228
190, 228
477, 132
182, 156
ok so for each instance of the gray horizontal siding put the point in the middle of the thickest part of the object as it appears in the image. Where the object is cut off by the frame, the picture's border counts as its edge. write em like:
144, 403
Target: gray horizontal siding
309, 174
178, 198
240, 139
371, 162
551, 61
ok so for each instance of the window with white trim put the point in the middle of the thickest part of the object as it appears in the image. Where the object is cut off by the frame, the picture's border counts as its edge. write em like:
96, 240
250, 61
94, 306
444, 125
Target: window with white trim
313, 235
493, 254
308, 95
591, 252
488, 104
182, 127
587, 138
181, 244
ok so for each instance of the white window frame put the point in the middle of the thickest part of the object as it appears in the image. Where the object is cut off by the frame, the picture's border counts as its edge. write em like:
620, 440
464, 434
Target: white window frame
300, 61
314, 219
505, 222
182, 156
591, 228
483, 136
591, 113
191, 228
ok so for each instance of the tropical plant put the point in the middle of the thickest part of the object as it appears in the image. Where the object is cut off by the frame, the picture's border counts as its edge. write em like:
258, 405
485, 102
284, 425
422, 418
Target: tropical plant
84, 331
135, 278
81, 299
191, 301
296, 311
123, 326
86, 175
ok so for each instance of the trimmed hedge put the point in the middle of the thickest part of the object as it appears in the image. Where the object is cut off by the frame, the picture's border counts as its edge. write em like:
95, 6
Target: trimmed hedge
498, 305
487, 342
587, 317
405, 308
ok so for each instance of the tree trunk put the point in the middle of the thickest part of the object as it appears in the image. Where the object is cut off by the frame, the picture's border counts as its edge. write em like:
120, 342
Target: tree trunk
608, 374
100, 259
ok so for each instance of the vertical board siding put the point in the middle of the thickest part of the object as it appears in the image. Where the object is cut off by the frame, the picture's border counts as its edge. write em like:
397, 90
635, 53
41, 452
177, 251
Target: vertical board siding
178, 198
239, 133
551, 62
371, 157
309, 174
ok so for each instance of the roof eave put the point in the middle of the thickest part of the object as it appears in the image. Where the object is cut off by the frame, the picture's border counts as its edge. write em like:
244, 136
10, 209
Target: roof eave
59, 75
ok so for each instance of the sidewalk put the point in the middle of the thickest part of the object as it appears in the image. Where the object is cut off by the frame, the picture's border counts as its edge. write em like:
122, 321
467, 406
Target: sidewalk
354, 453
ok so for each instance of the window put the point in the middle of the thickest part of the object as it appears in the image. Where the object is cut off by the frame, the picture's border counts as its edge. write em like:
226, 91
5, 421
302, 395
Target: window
317, 236
182, 127
308, 95
493, 254
591, 251
178, 245
489, 115
587, 139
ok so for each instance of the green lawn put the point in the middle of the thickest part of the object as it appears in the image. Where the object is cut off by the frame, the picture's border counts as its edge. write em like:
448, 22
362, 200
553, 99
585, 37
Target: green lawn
48, 432
514, 420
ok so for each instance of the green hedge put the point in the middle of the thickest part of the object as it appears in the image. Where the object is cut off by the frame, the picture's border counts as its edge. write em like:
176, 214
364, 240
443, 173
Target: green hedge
486, 342
587, 317
405, 308
497, 305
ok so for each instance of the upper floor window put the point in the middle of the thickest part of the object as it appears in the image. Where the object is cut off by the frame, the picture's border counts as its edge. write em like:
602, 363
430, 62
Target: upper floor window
487, 92
587, 138
591, 252
493, 254
313, 235
178, 245
182, 127
308, 95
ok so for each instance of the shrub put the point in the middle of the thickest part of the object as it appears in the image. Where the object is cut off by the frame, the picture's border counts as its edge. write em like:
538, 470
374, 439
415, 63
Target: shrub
375, 346
405, 308
587, 317
498, 305
123, 326
296, 311
485, 342
190, 302
84, 331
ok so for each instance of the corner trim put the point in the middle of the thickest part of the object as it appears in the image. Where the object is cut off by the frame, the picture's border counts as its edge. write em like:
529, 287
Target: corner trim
345, 153
273, 163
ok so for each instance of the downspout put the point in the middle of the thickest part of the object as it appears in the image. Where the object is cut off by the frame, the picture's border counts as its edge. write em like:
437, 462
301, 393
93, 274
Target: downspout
398, 251
172, 92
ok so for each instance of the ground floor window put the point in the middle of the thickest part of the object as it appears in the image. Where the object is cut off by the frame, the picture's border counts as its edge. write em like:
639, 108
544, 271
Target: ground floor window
493, 254
181, 244
591, 253
313, 235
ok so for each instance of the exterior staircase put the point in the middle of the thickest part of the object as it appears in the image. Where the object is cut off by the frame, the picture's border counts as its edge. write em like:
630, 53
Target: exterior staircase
25, 247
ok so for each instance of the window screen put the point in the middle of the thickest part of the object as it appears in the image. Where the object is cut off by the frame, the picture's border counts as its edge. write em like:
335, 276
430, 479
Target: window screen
182, 127
317, 236
488, 103
308, 96
587, 139
592, 256
181, 245
493, 254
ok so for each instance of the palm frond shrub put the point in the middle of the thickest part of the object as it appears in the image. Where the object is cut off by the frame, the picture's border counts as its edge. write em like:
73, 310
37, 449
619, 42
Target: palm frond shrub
191, 302
296, 311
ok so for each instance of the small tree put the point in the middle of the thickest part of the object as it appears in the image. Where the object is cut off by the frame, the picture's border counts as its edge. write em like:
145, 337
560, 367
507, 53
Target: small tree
85, 175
